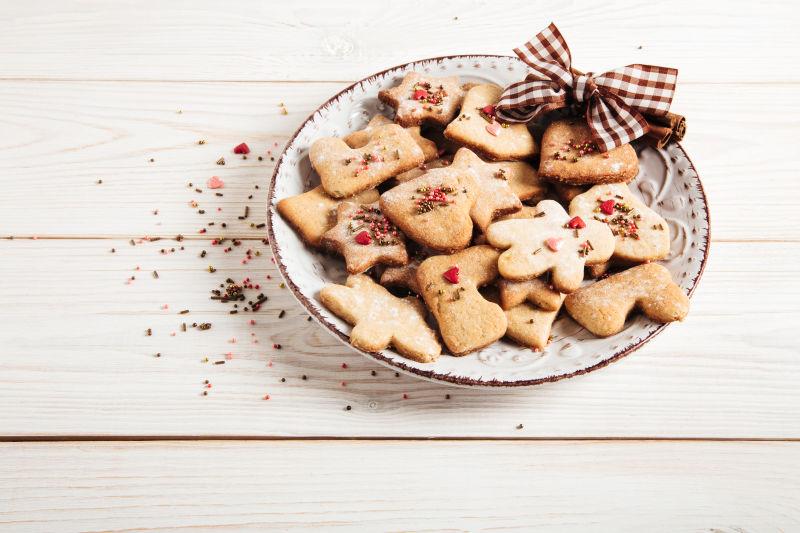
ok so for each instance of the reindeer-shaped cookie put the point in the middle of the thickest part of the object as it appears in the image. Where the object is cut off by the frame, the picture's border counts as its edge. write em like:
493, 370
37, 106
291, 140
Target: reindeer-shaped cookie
346, 171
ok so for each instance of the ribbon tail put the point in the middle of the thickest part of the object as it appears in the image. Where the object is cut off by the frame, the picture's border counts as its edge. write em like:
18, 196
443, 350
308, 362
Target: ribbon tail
613, 123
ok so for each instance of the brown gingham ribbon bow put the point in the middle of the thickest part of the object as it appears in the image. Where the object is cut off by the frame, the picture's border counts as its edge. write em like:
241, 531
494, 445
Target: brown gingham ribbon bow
614, 100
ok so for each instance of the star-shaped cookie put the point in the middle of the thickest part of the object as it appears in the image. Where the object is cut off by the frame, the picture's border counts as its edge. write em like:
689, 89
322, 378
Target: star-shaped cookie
380, 319
551, 241
478, 128
359, 138
449, 285
313, 213
420, 98
346, 171
365, 238
438, 208
569, 155
641, 233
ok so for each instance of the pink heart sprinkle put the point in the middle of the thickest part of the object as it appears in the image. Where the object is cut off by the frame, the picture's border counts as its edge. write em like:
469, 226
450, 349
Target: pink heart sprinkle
554, 243
493, 128
215, 183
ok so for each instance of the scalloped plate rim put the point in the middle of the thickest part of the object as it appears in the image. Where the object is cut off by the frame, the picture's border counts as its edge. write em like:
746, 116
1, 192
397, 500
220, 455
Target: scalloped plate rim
429, 375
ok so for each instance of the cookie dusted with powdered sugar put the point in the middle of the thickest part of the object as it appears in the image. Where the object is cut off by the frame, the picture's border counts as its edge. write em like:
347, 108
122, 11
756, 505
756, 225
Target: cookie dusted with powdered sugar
420, 98
359, 138
313, 213
641, 234
346, 171
478, 128
603, 306
380, 319
364, 237
551, 241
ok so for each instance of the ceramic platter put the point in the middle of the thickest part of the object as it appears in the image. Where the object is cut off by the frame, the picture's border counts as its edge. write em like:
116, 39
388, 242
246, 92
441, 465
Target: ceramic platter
667, 182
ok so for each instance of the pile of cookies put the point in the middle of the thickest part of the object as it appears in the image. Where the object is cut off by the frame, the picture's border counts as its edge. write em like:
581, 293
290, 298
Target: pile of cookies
484, 242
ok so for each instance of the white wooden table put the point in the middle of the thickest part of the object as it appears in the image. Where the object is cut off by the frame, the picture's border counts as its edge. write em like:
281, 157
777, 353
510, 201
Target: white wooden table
698, 431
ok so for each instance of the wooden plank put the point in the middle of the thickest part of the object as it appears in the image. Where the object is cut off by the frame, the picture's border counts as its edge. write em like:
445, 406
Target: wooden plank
146, 40
51, 157
371, 486
76, 361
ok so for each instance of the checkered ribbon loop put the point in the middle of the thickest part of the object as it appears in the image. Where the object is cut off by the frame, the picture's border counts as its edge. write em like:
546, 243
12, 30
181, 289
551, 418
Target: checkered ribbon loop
614, 101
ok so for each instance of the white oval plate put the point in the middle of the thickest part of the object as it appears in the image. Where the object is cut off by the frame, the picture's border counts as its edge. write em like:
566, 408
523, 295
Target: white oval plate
667, 182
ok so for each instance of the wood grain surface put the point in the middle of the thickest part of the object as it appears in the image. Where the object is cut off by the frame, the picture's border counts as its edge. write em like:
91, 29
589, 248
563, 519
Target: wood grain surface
697, 431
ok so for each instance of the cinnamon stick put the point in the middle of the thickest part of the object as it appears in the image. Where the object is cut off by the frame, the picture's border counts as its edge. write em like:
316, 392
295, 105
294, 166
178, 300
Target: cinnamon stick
664, 128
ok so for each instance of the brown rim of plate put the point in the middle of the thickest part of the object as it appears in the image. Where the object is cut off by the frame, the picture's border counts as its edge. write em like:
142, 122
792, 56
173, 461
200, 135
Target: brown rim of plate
430, 374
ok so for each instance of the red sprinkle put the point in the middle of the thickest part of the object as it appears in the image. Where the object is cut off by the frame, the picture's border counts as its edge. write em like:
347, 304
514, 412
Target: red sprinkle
363, 238
344, 365
489, 110
241, 149
576, 223
215, 183
266, 396
451, 274
419, 94
607, 207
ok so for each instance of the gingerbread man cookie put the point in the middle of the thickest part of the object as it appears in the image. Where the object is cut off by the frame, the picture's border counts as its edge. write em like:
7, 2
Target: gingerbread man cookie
571, 156
380, 319
551, 241
477, 127
449, 285
346, 171
365, 238
420, 98
313, 213
641, 234
359, 138
603, 306
438, 208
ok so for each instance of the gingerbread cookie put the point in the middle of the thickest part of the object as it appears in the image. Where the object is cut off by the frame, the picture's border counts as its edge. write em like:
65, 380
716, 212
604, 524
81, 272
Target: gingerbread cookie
313, 213
365, 238
438, 208
402, 276
409, 175
603, 306
420, 98
478, 128
571, 156
449, 285
380, 319
530, 325
551, 241
346, 171
359, 138
536, 291
641, 234
566, 193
